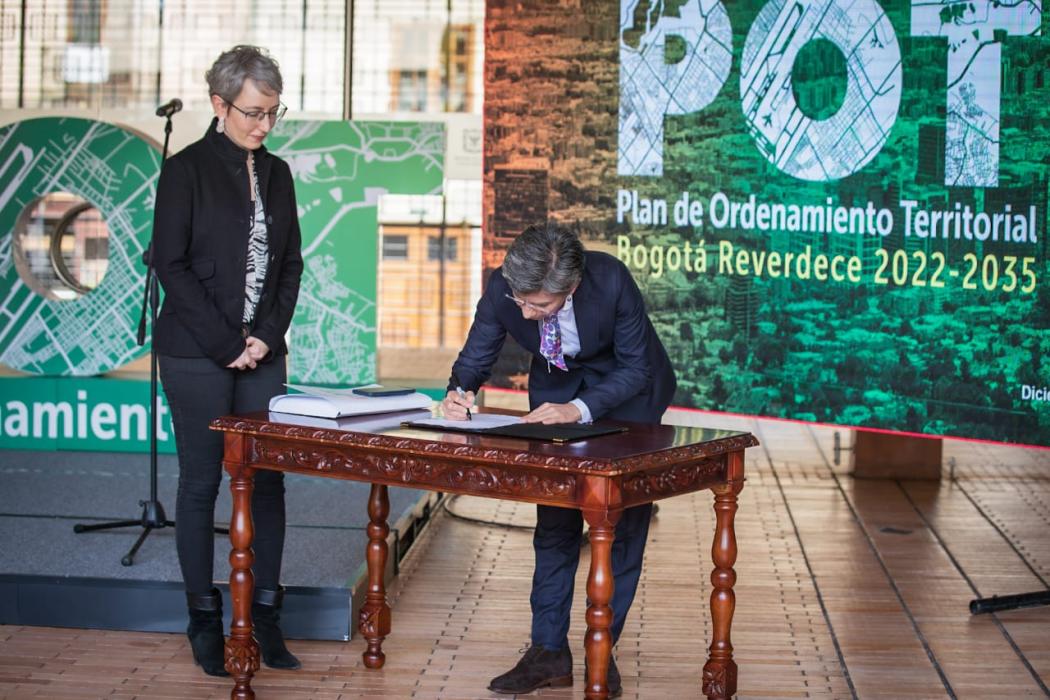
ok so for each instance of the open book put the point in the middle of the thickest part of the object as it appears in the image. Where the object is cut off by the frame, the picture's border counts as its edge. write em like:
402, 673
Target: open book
326, 402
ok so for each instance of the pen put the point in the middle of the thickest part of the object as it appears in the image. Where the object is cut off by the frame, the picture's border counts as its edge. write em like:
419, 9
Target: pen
463, 395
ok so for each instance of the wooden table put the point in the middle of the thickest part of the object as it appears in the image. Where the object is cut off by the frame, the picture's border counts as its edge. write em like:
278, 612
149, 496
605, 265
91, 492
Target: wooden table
601, 477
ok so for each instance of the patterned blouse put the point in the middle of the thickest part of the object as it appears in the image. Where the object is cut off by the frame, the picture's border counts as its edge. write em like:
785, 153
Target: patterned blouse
258, 254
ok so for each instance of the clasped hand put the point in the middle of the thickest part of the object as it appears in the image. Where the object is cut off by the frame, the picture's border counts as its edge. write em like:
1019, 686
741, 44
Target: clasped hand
454, 407
254, 350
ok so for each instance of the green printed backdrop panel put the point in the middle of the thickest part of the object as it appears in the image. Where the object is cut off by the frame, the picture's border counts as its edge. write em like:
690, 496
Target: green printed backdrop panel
341, 170
115, 170
81, 413
922, 307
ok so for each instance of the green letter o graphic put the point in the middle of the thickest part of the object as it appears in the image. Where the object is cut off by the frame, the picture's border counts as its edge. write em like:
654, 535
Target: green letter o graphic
116, 171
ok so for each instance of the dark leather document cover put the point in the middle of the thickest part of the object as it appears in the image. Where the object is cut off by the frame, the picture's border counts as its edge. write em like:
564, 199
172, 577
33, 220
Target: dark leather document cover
561, 432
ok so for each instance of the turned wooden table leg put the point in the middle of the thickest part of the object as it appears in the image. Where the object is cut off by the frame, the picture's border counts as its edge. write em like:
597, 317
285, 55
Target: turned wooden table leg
374, 617
598, 641
242, 652
720, 669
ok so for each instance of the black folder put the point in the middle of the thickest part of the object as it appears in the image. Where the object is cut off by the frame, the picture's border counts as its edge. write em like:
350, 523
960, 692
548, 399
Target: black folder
559, 432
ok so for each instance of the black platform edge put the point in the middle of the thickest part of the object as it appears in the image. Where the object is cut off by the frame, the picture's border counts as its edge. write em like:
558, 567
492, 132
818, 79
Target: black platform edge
160, 606
152, 606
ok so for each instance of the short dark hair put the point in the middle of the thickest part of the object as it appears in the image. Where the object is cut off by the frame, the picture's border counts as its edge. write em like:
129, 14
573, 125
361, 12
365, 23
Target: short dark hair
544, 258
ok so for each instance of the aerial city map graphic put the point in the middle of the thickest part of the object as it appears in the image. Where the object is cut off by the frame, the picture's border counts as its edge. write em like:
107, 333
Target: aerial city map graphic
341, 169
116, 171
974, 87
843, 143
651, 85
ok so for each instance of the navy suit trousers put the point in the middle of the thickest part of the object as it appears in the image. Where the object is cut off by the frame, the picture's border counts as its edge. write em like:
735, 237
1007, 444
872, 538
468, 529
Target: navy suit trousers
557, 541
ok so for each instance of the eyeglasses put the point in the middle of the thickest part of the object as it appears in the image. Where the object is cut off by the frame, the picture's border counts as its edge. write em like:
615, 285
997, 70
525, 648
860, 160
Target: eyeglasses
274, 115
547, 309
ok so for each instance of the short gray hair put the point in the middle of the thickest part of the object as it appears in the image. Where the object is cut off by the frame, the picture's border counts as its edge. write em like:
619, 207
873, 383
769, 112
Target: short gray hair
227, 75
544, 258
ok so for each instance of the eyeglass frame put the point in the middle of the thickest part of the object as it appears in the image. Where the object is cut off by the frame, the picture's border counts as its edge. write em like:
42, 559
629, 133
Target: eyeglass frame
530, 305
273, 116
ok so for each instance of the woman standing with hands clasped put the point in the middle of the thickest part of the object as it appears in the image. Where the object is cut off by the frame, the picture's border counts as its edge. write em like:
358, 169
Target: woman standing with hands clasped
226, 248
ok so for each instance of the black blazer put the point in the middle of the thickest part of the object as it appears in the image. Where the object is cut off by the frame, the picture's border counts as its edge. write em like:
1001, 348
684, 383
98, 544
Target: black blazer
622, 369
200, 247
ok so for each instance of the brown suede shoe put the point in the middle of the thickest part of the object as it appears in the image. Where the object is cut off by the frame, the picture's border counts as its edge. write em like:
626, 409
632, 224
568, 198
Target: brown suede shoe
537, 669
612, 679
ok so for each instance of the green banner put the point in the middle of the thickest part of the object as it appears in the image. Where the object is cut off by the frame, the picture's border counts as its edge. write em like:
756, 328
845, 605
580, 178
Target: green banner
836, 209
72, 413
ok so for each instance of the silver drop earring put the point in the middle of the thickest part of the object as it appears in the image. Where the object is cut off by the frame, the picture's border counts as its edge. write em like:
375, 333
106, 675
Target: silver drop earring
221, 126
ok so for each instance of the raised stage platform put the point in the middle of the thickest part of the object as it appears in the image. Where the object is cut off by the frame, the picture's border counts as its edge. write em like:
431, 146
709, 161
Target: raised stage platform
50, 575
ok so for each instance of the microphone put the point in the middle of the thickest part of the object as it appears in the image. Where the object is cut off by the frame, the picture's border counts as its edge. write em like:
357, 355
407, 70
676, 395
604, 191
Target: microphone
169, 108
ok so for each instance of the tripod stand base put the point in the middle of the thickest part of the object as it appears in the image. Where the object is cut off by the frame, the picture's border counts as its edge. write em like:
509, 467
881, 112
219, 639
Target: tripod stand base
79, 527
1009, 602
153, 518
129, 558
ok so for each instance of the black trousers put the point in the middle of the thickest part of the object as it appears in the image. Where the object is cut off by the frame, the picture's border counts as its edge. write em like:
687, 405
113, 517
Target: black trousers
198, 392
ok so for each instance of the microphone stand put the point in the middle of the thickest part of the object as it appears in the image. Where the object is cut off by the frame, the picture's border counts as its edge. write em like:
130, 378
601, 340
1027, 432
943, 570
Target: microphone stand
153, 516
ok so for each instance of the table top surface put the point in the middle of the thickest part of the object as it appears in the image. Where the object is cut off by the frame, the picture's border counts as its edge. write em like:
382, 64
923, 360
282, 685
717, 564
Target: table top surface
641, 446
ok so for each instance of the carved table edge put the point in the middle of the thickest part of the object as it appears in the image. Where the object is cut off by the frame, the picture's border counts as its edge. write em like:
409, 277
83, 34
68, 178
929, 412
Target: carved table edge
418, 447
432, 471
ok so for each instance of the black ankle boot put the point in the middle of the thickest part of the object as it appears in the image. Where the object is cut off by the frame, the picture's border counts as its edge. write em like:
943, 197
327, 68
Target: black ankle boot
266, 615
205, 631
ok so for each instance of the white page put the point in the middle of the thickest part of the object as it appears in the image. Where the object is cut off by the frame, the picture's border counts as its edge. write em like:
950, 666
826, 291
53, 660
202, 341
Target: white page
327, 391
480, 421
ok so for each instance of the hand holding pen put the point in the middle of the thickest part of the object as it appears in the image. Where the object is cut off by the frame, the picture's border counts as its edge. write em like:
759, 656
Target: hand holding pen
457, 403
468, 402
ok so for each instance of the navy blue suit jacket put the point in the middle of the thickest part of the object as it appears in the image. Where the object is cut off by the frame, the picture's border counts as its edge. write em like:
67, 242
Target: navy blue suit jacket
621, 371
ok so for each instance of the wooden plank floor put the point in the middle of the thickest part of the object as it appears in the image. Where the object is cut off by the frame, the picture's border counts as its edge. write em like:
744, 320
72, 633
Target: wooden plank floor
846, 589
